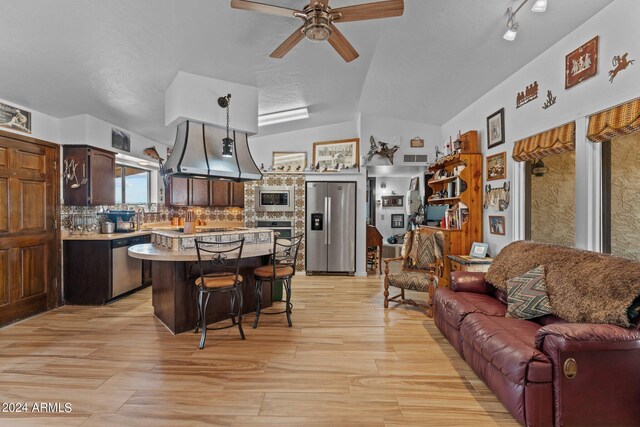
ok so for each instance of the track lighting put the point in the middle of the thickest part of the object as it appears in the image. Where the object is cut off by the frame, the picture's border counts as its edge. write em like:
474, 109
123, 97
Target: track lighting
513, 25
539, 6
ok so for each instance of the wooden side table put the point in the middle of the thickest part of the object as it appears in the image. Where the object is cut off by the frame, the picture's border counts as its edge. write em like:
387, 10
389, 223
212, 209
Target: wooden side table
467, 263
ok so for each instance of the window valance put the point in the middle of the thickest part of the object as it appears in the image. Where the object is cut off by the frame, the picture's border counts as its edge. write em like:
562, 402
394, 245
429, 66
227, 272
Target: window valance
554, 141
618, 121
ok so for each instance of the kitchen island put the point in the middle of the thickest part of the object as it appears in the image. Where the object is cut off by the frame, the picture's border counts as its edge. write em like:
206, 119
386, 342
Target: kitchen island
174, 269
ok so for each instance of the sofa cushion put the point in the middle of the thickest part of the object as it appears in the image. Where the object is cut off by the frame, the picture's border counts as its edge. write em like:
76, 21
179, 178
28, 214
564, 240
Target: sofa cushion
455, 306
509, 345
527, 295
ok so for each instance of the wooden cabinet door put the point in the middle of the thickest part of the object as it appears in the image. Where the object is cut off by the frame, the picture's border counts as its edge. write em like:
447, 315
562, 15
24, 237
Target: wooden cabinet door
102, 174
198, 192
237, 194
179, 192
29, 258
219, 194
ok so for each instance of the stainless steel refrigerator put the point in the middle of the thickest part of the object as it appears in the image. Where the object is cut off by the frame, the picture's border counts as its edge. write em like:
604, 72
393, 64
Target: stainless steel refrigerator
331, 227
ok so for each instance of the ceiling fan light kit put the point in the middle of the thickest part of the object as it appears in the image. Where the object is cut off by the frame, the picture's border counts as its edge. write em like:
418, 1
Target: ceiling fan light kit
513, 25
319, 20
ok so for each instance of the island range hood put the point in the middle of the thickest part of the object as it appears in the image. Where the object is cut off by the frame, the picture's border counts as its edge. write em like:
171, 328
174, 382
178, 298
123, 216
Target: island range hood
198, 153
208, 144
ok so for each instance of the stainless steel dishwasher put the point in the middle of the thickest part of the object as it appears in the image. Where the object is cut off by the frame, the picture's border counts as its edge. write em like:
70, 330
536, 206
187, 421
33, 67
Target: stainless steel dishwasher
126, 272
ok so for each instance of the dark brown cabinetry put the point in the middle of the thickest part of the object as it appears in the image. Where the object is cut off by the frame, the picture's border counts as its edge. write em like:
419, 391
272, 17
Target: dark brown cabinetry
89, 176
89, 270
188, 192
197, 192
236, 191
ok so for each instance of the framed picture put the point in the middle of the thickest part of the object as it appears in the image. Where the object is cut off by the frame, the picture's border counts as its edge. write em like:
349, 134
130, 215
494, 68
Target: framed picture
497, 166
15, 118
417, 142
415, 184
120, 140
397, 220
581, 64
478, 250
496, 224
330, 154
495, 128
289, 161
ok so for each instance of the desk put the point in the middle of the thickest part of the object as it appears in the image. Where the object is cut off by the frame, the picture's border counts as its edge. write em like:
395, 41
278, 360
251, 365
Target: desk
467, 263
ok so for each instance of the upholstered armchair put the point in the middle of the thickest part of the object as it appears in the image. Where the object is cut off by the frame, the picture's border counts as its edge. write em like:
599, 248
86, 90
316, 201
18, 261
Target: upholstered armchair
422, 265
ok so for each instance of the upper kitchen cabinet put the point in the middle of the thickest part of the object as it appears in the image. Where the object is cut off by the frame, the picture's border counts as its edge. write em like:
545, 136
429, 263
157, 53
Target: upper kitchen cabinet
188, 192
89, 176
226, 194
236, 192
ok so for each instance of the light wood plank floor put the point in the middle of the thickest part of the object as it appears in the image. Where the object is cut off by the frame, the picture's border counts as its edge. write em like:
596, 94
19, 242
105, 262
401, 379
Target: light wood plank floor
346, 361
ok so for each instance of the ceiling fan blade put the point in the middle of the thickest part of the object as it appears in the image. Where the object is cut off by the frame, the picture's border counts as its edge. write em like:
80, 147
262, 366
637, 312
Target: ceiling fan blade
263, 8
377, 10
342, 45
288, 44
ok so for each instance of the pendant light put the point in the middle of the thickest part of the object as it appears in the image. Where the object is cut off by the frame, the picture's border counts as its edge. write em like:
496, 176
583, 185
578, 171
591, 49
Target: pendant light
227, 143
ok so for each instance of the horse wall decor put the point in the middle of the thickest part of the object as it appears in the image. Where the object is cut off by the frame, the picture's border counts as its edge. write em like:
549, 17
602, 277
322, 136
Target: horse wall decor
381, 149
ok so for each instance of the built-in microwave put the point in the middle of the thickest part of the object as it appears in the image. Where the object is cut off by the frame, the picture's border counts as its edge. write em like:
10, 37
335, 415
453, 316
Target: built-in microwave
274, 199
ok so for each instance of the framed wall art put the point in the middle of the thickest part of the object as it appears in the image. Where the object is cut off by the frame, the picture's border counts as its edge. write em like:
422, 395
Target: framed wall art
397, 220
496, 224
330, 154
497, 166
284, 161
495, 129
417, 142
414, 183
120, 140
581, 64
15, 118
478, 250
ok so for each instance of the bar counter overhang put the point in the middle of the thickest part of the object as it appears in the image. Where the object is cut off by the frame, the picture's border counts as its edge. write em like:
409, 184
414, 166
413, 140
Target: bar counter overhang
173, 284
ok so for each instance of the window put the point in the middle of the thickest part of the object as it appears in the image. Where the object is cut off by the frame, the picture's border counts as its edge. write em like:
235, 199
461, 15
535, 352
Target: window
551, 200
621, 181
132, 185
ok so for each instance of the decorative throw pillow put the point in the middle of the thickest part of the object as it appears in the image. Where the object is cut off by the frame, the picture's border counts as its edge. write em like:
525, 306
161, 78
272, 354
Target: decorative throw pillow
527, 295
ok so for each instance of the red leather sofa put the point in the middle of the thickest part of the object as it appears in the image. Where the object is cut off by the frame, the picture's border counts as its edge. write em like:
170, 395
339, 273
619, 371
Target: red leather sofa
548, 371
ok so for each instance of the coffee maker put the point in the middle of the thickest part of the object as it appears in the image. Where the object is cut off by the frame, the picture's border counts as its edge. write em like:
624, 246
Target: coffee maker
123, 220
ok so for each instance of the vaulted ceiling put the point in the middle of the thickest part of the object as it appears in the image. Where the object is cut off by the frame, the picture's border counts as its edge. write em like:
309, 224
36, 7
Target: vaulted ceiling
114, 59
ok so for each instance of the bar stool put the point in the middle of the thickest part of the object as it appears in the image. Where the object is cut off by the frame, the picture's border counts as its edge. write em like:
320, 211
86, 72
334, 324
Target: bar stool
282, 266
219, 265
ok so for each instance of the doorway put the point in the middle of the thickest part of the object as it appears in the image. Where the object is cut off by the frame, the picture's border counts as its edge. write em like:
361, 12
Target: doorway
29, 236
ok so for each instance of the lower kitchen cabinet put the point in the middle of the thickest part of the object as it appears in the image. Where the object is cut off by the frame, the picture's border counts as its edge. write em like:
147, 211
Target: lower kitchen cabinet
97, 271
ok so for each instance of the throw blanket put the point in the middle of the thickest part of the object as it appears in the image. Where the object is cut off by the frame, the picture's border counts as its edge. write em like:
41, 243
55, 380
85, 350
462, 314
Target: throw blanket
583, 287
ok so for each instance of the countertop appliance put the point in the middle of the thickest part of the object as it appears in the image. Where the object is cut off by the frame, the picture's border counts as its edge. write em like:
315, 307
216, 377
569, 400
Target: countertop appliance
331, 227
283, 228
122, 219
126, 271
274, 199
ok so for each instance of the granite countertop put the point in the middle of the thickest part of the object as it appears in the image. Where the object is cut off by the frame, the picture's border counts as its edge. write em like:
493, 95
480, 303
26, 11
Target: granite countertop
150, 252
205, 230
110, 236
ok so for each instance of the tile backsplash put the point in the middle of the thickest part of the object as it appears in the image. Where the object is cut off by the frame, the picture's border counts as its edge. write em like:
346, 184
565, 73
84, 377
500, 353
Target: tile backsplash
88, 218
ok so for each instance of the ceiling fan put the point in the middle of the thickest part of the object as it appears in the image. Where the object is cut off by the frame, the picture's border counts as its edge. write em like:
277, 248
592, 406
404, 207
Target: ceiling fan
319, 20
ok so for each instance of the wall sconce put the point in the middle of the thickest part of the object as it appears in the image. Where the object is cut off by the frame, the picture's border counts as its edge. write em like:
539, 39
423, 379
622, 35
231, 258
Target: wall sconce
539, 168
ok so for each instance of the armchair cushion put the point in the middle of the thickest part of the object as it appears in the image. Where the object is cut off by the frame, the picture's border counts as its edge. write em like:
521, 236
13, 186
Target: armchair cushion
412, 280
426, 250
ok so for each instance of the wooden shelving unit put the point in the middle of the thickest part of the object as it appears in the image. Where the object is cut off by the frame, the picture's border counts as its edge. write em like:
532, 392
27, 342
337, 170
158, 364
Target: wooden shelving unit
463, 170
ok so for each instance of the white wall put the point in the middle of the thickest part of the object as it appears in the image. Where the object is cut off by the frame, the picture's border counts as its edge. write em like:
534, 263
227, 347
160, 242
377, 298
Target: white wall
43, 126
619, 33
383, 214
398, 132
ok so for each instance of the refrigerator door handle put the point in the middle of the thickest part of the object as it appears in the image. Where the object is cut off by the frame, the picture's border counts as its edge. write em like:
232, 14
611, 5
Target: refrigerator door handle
326, 220
329, 222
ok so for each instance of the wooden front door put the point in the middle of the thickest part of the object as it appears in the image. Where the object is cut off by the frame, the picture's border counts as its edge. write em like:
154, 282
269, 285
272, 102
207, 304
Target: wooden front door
29, 253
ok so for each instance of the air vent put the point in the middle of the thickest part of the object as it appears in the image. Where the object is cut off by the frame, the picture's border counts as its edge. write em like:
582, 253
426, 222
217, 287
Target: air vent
416, 158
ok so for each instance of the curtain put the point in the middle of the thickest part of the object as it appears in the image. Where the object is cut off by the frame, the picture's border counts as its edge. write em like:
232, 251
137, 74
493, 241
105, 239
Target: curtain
554, 141
618, 121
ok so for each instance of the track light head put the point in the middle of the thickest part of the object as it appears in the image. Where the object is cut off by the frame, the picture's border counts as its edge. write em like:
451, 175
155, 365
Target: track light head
512, 26
539, 6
